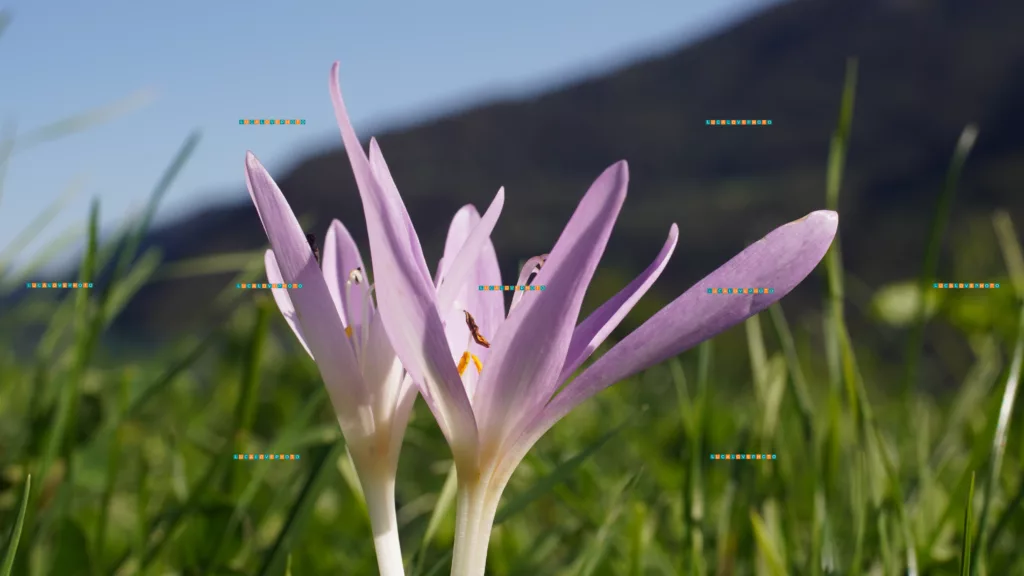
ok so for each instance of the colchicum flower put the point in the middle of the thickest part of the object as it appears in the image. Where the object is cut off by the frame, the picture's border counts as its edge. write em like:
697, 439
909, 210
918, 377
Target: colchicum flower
491, 418
334, 317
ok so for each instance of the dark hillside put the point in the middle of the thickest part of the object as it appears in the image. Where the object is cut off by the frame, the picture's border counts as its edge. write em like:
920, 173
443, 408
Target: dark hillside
927, 68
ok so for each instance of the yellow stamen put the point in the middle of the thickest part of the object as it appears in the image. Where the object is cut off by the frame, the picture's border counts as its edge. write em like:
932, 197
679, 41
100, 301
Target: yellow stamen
464, 363
348, 331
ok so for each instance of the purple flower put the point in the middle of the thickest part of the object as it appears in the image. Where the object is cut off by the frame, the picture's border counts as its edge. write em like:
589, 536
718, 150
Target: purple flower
334, 317
492, 420
341, 329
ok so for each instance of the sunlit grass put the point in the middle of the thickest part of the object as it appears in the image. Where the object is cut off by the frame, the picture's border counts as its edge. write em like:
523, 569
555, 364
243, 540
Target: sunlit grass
126, 468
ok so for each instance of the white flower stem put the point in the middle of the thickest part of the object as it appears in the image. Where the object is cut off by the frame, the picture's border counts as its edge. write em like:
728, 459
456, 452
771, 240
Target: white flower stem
380, 503
474, 520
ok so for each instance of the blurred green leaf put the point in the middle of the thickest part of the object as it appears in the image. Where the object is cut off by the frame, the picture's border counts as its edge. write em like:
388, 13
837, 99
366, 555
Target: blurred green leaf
5, 21
560, 474
767, 546
597, 550
444, 504
900, 304
15, 537
965, 551
1011, 248
999, 442
82, 121
930, 268
71, 558
324, 458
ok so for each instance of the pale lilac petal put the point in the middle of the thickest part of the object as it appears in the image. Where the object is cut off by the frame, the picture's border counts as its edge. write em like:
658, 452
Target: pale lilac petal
524, 275
780, 260
381, 366
400, 418
379, 169
284, 302
529, 349
592, 332
454, 321
314, 308
406, 294
461, 268
458, 231
375, 182
437, 274
340, 257
486, 306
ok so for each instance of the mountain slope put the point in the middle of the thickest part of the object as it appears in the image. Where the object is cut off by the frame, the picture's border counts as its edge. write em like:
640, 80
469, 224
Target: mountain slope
926, 70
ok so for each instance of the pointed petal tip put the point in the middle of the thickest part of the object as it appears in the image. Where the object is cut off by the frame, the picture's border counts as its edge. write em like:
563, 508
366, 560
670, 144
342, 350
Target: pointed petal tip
337, 225
252, 162
621, 169
673, 231
826, 217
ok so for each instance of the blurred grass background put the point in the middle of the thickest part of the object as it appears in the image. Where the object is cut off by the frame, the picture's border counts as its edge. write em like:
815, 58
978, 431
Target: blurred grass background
115, 466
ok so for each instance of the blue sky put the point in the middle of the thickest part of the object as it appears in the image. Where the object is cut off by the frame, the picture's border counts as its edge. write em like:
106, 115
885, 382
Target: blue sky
209, 63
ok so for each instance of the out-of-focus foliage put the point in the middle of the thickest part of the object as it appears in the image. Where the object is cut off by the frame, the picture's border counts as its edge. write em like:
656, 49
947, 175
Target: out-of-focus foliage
130, 456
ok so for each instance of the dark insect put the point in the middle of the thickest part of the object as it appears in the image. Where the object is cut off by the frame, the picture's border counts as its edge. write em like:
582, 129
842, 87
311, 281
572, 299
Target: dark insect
536, 270
474, 331
311, 238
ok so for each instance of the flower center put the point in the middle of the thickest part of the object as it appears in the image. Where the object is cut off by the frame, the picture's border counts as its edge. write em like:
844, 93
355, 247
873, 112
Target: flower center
464, 362
361, 333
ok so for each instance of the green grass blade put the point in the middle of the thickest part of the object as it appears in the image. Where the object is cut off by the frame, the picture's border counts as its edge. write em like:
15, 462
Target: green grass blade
64, 416
82, 121
15, 537
1010, 512
833, 316
445, 501
798, 381
598, 548
62, 244
766, 545
6, 142
167, 523
560, 474
440, 564
245, 408
965, 548
1010, 246
228, 262
114, 456
35, 227
5, 21
128, 245
999, 440
321, 472
940, 220
288, 440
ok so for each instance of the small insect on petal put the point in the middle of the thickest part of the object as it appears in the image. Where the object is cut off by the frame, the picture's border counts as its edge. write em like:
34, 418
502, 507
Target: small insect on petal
356, 276
474, 330
311, 238
536, 269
